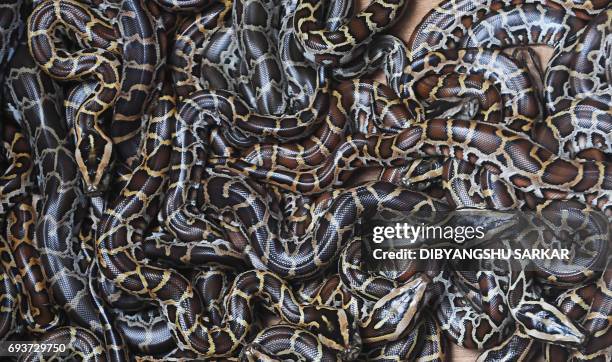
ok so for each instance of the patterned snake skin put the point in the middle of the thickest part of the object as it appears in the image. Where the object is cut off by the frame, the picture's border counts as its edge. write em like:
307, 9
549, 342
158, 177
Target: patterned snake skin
192, 179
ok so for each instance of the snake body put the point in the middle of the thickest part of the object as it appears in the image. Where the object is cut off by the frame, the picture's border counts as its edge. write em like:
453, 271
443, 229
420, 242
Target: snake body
338, 46
9, 304
98, 59
255, 21
286, 342
14, 182
142, 59
191, 179
82, 344
9, 30
34, 96
39, 313
436, 137
328, 235
527, 24
571, 57
16, 176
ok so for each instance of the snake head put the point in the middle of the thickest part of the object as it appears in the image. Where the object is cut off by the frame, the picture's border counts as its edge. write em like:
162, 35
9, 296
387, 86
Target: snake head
255, 352
93, 155
337, 330
352, 352
545, 322
393, 315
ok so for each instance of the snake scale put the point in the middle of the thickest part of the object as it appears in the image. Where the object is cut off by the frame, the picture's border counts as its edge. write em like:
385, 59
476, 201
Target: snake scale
193, 179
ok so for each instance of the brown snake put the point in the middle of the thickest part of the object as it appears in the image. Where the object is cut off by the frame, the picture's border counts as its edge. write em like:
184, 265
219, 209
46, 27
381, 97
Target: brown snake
192, 179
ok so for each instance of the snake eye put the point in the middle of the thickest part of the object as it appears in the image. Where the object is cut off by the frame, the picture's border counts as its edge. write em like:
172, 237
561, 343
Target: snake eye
539, 325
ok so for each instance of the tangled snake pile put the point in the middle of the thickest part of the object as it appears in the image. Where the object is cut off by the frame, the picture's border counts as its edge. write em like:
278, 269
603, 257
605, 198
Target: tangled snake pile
183, 179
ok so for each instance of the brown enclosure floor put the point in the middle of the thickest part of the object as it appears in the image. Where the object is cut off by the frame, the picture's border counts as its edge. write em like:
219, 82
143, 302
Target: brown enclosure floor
417, 9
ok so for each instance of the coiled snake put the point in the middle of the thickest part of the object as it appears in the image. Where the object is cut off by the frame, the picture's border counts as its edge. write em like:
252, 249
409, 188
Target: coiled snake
190, 179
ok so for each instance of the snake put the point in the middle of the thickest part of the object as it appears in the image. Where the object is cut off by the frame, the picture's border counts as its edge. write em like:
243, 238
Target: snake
196, 116
581, 129
409, 80
524, 303
320, 145
489, 62
381, 328
524, 24
175, 214
337, 46
559, 214
493, 30
466, 325
374, 286
371, 105
146, 332
10, 299
594, 39
38, 311
300, 74
383, 291
426, 333
80, 344
595, 321
247, 285
191, 44
245, 127
535, 318
287, 343
561, 69
97, 59
518, 347
207, 57
142, 60
213, 170
215, 247
254, 22
462, 96
461, 321
424, 343
461, 180
183, 5
34, 96
529, 58
511, 80
446, 24
125, 282
574, 302
16, 176
465, 184
151, 170
425, 138
9, 29
114, 232
330, 231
